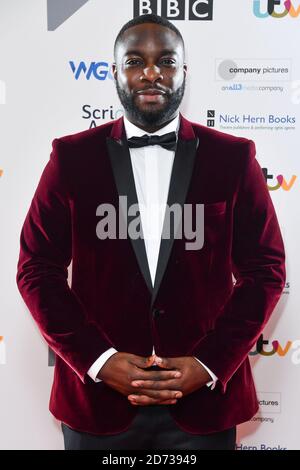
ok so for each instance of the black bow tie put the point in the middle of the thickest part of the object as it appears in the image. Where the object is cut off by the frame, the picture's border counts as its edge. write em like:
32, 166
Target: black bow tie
167, 141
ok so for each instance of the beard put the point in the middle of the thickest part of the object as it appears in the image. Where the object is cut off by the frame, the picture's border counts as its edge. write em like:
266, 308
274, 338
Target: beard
151, 117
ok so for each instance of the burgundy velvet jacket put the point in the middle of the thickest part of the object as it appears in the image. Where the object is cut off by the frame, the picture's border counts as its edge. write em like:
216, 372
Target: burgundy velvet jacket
194, 308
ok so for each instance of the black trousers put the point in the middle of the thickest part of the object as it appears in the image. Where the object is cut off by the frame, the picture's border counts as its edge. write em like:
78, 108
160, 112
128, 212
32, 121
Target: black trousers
152, 428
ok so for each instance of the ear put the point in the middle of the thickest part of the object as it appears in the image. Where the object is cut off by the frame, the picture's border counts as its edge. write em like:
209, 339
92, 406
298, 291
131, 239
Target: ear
114, 70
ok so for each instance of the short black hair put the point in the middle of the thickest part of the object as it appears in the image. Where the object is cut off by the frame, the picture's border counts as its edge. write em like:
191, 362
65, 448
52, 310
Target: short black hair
148, 18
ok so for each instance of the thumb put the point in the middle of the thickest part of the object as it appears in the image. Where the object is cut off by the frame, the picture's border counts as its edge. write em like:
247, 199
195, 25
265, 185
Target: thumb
143, 362
167, 362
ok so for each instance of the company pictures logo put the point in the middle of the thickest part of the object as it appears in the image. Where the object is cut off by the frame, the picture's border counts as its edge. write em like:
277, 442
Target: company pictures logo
276, 8
201, 10
269, 402
254, 70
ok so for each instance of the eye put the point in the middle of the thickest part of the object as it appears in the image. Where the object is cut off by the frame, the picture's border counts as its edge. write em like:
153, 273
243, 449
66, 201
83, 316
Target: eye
171, 61
137, 61
129, 62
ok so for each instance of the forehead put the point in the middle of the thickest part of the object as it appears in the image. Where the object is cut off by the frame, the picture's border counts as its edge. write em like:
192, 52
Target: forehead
149, 38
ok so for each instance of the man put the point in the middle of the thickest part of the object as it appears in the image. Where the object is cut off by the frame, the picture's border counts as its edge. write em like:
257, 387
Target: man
151, 339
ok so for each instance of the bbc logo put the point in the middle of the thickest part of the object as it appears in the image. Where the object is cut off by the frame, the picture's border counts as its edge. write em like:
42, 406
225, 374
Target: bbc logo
199, 10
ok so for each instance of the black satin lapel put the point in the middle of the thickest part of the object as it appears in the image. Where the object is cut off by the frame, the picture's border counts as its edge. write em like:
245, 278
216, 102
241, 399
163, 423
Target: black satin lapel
180, 179
124, 178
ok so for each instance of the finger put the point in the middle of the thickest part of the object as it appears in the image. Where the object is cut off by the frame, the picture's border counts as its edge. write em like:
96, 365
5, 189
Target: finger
156, 402
156, 384
141, 361
165, 362
160, 394
156, 375
141, 400
146, 400
157, 394
166, 402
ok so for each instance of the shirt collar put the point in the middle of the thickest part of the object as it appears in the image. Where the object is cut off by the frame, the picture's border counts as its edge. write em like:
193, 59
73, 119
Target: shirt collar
132, 130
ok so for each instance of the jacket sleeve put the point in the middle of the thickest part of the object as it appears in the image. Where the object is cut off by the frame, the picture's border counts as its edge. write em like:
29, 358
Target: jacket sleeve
45, 254
258, 265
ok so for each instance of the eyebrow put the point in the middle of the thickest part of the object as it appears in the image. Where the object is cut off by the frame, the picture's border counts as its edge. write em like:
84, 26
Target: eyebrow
163, 52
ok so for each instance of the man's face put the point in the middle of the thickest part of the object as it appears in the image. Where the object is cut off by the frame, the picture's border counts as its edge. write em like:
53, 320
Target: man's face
150, 74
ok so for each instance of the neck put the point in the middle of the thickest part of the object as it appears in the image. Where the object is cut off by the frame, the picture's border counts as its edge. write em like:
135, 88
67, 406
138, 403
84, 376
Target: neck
148, 128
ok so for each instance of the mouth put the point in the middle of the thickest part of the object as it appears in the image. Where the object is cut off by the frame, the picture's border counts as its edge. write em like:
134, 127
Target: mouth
151, 95
151, 91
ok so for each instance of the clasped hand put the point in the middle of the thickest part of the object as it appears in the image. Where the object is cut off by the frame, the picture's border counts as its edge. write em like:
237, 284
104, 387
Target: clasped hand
179, 376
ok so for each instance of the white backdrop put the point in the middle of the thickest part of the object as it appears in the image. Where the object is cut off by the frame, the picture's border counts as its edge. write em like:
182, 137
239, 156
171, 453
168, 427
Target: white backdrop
243, 78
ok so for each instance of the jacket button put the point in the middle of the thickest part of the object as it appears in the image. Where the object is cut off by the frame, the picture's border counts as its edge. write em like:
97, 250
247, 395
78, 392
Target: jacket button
156, 312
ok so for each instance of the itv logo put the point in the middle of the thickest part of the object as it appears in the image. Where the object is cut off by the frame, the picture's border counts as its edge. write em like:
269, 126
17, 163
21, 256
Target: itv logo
268, 348
281, 181
286, 8
199, 10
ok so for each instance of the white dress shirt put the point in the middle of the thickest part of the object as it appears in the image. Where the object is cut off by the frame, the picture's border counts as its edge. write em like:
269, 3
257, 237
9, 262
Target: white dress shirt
152, 166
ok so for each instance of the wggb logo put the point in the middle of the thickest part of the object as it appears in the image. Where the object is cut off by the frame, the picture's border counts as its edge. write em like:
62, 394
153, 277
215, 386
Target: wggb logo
98, 70
201, 10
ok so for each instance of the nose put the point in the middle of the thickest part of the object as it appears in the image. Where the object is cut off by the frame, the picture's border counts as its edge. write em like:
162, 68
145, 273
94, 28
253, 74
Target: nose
151, 74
